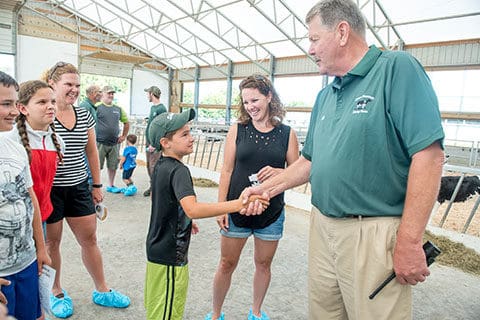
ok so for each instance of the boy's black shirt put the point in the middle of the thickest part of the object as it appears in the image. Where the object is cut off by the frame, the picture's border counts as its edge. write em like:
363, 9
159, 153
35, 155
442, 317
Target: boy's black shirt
170, 228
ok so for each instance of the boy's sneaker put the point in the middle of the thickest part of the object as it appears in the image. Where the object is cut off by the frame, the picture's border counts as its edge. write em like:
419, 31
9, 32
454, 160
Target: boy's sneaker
113, 189
61, 305
209, 316
101, 211
112, 298
251, 316
130, 191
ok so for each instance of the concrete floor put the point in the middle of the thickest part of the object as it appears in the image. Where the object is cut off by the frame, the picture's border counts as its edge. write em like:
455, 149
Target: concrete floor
447, 294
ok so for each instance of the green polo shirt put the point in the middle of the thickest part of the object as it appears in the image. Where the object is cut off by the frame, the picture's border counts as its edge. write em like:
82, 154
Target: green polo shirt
87, 104
155, 110
364, 129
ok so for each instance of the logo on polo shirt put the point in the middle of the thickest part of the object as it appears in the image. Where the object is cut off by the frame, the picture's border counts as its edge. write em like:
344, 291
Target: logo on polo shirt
361, 104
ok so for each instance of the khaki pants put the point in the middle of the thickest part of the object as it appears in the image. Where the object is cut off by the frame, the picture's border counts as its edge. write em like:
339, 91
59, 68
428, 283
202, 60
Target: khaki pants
348, 259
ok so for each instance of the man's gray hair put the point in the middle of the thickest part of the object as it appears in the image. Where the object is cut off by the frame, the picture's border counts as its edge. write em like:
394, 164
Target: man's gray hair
91, 89
332, 12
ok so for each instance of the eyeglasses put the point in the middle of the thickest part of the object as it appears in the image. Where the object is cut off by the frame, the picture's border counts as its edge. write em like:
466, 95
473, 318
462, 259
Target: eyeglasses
59, 64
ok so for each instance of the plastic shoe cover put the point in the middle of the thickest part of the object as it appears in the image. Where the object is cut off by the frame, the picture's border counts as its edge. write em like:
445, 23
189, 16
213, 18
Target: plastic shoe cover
113, 189
61, 307
113, 299
209, 316
130, 191
251, 316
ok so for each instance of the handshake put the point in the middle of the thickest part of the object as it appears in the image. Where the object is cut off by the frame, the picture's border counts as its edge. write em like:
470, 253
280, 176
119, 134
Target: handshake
251, 203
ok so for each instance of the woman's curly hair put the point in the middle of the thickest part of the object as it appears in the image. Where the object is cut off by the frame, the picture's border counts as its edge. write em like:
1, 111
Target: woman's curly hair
264, 86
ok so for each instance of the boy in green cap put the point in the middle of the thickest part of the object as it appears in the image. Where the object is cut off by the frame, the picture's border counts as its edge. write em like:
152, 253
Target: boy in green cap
174, 205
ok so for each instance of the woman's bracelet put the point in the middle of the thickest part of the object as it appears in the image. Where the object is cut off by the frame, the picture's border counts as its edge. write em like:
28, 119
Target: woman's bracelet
97, 185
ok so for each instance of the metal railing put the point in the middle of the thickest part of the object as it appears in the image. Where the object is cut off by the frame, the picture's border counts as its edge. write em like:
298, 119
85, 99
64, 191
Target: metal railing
463, 171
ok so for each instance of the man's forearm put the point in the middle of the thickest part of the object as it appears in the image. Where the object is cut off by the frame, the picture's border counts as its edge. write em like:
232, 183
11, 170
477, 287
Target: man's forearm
422, 190
294, 175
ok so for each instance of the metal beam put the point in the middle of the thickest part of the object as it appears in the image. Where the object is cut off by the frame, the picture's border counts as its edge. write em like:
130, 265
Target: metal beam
390, 24
155, 35
237, 47
277, 23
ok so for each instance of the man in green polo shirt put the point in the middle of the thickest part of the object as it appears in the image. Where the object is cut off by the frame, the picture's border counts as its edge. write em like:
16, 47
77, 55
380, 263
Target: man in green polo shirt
373, 155
157, 108
94, 94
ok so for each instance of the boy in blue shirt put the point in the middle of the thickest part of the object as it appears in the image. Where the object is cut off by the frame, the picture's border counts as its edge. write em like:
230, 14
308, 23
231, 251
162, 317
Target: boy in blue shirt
128, 164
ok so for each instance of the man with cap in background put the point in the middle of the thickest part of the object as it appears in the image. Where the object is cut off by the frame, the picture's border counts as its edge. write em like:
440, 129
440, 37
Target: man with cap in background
94, 94
108, 138
152, 155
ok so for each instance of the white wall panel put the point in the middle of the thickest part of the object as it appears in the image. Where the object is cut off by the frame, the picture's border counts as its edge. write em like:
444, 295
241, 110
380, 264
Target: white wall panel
142, 80
36, 55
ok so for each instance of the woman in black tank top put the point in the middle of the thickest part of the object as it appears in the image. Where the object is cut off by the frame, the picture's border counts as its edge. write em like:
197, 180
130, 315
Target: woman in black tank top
257, 148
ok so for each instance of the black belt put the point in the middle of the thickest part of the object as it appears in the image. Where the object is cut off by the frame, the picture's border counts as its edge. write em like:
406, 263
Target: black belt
355, 216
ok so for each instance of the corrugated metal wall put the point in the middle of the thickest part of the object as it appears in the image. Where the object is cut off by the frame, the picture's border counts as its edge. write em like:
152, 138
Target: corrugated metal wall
106, 68
454, 55
7, 32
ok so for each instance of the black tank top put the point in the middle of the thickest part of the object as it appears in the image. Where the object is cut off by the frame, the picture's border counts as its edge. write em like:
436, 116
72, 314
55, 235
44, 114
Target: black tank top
255, 150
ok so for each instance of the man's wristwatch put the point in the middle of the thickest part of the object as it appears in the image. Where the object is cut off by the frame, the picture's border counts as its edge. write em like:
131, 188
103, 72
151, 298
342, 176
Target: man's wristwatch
97, 185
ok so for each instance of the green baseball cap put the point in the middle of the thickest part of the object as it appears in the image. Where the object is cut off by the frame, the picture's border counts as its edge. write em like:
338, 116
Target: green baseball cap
167, 122
154, 90
108, 89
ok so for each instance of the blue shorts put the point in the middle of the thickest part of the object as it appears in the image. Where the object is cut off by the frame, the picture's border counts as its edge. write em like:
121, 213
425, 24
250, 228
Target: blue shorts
22, 293
272, 232
127, 174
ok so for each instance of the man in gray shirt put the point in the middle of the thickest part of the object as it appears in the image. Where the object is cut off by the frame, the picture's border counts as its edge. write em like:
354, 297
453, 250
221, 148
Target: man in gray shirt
108, 139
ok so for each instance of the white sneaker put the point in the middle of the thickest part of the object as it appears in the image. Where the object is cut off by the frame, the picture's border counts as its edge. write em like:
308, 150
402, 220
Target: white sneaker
101, 211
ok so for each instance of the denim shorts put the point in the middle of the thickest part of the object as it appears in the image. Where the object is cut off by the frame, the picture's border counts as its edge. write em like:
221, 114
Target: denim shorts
272, 232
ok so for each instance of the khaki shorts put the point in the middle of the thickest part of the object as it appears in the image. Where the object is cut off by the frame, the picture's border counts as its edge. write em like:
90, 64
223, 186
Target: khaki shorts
348, 259
110, 153
165, 291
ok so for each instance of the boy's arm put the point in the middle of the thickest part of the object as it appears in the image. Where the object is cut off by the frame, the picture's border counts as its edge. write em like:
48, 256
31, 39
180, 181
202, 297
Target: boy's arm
198, 210
3, 282
42, 255
122, 160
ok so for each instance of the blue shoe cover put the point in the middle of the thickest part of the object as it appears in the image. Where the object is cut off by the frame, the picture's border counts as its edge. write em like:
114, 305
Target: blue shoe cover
112, 299
61, 307
251, 316
113, 189
209, 316
130, 191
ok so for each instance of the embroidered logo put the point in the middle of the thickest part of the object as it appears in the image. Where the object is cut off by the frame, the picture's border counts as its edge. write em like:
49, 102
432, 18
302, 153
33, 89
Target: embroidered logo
361, 104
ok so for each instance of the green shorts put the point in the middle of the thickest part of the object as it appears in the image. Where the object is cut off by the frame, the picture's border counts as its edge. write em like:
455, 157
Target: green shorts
165, 291
110, 153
